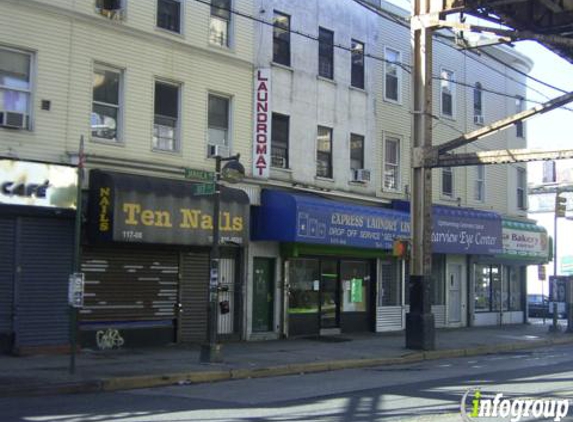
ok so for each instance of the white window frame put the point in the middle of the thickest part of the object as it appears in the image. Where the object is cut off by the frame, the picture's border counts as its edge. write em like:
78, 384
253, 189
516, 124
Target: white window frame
229, 139
181, 18
445, 171
479, 194
177, 129
478, 88
452, 87
387, 67
521, 186
120, 118
519, 126
230, 29
394, 165
29, 91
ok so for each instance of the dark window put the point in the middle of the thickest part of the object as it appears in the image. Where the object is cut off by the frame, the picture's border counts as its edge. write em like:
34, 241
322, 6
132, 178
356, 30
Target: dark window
324, 152
447, 182
447, 96
166, 116
478, 100
281, 38
218, 120
106, 108
279, 143
357, 68
15, 82
169, 15
356, 152
518, 109
219, 25
325, 53
521, 188
392, 77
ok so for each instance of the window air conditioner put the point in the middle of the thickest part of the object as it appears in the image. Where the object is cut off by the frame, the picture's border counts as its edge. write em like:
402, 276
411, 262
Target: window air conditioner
112, 9
478, 119
361, 175
13, 120
220, 150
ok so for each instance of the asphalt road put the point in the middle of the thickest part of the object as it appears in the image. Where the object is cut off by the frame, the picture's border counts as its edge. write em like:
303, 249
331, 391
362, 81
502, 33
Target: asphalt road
427, 391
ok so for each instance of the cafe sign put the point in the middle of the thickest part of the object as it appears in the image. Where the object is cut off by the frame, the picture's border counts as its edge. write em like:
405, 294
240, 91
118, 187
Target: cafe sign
37, 184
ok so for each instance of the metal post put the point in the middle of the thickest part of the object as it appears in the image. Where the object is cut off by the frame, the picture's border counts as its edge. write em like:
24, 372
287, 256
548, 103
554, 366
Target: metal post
420, 332
211, 351
76, 262
555, 326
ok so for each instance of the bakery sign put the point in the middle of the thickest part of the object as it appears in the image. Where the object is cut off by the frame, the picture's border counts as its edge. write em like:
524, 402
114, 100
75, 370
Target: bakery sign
262, 124
37, 184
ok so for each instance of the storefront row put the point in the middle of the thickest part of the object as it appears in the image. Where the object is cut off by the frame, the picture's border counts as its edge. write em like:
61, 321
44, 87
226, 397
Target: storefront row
295, 265
334, 271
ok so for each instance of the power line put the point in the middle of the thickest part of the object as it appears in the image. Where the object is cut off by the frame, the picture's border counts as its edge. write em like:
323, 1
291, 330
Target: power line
378, 12
406, 67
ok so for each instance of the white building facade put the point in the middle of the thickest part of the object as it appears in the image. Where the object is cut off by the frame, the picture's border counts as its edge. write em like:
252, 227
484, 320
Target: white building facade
337, 192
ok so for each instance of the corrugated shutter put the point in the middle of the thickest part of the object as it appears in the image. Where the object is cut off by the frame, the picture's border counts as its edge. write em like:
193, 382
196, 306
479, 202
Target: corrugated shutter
133, 285
193, 296
7, 243
44, 257
227, 273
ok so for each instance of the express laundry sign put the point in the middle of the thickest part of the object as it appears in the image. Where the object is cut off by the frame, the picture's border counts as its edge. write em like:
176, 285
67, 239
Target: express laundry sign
262, 124
37, 184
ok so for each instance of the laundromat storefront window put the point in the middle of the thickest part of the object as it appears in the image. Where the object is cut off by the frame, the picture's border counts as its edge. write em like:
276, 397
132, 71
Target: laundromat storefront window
330, 250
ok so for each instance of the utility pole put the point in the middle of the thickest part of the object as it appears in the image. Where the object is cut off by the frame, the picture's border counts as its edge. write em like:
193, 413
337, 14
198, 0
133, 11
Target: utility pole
420, 332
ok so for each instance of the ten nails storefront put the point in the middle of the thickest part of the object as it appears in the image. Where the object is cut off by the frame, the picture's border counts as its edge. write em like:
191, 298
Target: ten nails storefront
330, 253
147, 261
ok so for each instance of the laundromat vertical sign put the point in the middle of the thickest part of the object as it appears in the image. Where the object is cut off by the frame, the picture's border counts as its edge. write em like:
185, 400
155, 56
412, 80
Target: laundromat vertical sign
262, 124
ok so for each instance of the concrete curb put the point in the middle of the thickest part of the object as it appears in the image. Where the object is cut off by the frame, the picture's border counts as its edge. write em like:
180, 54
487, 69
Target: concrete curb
150, 381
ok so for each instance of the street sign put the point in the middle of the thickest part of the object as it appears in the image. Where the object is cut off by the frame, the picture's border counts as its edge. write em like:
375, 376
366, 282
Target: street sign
204, 189
202, 175
76, 290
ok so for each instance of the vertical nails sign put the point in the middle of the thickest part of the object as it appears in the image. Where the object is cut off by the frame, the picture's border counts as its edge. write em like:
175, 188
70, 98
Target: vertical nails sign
262, 124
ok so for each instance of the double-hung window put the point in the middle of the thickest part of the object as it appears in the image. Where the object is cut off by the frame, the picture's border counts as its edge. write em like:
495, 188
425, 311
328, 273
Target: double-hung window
521, 188
391, 164
356, 152
15, 88
480, 184
281, 38
448, 182
324, 152
447, 97
325, 53
478, 103
393, 75
106, 107
279, 143
166, 117
357, 65
519, 107
218, 120
169, 15
220, 23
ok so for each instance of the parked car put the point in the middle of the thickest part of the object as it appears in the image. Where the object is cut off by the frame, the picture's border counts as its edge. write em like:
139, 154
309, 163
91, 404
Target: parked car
538, 306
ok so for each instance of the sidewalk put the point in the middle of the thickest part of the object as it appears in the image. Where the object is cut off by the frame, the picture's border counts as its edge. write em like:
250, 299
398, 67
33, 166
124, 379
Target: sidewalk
140, 368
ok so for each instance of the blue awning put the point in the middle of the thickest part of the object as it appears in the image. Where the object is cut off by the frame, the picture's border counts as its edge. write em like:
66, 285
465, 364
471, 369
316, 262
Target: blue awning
465, 231
289, 217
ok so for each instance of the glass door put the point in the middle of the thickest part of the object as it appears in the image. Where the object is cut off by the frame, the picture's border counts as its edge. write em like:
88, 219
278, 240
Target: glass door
329, 306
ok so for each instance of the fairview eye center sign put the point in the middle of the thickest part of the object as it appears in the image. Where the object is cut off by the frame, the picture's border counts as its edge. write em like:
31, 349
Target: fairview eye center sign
128, 208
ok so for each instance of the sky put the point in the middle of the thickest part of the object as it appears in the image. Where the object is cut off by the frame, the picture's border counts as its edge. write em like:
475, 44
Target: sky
549, 131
